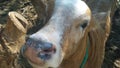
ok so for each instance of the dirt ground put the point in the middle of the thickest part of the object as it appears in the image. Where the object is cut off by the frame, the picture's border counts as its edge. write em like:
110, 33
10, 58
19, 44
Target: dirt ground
24, 7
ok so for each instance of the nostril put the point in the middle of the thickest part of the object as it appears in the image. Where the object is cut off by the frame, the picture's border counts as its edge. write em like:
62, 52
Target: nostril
47, 46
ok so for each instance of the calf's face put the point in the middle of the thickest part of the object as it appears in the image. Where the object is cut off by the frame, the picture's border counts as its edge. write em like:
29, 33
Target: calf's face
47, 47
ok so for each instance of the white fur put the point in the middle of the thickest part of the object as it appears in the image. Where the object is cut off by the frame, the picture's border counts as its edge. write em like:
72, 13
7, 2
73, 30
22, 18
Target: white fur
80, 8
55, 36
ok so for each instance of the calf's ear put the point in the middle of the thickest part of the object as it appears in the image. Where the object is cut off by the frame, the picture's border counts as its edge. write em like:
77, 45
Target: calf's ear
100, 20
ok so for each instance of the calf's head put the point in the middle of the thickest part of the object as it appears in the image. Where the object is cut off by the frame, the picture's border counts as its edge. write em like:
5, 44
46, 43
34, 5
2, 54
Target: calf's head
59, 38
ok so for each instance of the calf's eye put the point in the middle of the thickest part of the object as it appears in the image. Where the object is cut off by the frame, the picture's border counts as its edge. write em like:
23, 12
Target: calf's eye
84, 24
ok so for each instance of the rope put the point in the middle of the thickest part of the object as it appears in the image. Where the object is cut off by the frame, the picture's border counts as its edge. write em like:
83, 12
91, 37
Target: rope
86, 54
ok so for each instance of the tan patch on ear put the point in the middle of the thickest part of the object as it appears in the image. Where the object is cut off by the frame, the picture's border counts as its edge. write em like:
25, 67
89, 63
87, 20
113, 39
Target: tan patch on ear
88, 12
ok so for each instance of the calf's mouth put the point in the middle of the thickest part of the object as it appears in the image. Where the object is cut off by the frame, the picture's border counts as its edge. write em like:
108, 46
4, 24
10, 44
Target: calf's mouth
37, 51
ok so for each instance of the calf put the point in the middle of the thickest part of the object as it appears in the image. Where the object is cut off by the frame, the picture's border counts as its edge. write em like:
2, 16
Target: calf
62, 42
